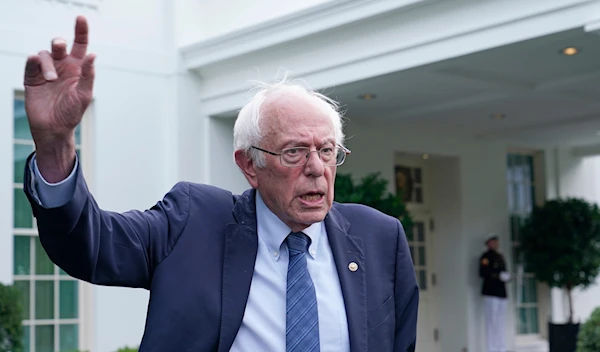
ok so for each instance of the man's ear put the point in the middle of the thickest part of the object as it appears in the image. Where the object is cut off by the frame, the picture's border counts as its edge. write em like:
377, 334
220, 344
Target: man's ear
246, 164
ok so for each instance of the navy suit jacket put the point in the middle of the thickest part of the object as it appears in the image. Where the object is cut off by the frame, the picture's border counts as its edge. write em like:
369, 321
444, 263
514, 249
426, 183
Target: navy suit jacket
195, 251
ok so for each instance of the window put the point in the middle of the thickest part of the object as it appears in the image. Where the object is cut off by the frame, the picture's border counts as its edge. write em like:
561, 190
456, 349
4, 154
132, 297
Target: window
49, 296
409, 183
417, 246
521, 193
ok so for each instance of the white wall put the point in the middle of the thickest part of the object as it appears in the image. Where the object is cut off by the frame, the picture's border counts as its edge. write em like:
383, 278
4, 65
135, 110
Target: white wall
224, 172
202, 20
129, 127
574, 177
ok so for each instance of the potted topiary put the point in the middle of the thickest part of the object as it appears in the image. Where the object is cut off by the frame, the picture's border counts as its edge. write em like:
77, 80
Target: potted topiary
11, 316
372, 191
561, 247
589, 334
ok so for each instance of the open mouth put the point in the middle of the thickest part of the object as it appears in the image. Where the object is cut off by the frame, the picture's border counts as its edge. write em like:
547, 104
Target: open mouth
312, 196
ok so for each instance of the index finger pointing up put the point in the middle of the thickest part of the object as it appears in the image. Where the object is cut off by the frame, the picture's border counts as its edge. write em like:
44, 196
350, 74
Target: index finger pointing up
81, 38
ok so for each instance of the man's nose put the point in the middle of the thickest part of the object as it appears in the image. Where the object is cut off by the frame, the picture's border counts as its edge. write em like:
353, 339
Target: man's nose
314, 165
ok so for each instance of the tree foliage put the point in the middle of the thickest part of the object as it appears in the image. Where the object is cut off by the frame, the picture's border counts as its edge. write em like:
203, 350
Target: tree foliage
561, 244
372, 191
588, 339
11, 315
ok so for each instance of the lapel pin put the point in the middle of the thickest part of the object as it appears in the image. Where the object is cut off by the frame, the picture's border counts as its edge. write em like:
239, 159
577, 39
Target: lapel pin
353, 266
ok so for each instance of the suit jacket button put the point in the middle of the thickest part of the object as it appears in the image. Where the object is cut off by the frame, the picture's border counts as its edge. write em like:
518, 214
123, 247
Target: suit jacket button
353, 266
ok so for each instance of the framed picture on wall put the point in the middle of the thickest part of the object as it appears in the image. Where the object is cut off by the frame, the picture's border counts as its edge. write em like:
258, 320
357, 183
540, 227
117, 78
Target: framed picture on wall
404, 182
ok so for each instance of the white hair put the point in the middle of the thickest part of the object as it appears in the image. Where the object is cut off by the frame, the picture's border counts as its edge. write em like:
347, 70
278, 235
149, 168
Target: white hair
247, 130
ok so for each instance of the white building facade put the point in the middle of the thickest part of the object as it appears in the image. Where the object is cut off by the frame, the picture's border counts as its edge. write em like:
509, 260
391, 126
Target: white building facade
475, 101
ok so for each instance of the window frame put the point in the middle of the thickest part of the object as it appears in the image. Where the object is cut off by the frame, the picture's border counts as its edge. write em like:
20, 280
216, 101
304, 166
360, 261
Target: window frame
536, 183
83, 319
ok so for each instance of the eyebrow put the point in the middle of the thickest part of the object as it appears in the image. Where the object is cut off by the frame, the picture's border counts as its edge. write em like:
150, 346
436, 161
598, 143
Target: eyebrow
296, 143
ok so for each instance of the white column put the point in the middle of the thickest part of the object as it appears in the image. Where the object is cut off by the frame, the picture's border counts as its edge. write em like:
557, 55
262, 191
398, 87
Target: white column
6, 182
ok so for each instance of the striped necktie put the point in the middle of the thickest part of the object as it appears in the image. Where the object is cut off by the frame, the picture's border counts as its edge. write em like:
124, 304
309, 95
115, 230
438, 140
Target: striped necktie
302, 318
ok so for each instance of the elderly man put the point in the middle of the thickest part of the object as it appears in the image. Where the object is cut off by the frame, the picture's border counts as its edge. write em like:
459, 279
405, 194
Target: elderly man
279, 268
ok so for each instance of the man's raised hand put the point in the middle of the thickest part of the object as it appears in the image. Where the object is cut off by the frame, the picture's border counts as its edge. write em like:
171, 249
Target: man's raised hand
58, 90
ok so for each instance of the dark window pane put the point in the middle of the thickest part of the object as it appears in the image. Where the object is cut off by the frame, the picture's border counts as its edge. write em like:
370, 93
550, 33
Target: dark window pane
23, 217
26, 338
22, 255
531, 169
24, 287
21, 123
44, 300
410, 234
21, 152
419, 194
421, 255
528, 200
420, 226
43, 264
534, 320
69, 338
514, 227
417, 172
44, 338
529, 291
68, 299
522, 324
412, 253
423, 279
516, 253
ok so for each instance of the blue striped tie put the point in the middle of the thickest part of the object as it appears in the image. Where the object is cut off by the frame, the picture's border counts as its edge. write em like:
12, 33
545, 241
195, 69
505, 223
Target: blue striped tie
302, 318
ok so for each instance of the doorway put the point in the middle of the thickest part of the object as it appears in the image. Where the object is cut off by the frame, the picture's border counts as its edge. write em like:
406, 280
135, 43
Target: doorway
413, 184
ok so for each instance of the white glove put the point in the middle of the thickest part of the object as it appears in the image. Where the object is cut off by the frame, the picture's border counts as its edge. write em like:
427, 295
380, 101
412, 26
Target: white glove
505, 276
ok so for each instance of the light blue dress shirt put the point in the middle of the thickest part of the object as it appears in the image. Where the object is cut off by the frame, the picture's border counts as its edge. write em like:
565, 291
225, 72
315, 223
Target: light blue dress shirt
263, 325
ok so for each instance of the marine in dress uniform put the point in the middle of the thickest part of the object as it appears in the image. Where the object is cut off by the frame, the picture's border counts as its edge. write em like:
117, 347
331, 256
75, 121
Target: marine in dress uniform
492, 269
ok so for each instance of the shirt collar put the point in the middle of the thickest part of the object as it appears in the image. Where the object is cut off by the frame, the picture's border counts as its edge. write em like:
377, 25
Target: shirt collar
273, 231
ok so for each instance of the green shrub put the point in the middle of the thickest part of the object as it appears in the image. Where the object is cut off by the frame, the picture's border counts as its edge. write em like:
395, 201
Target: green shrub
127, 349
588, 339
561, 244
11, 315
372, 191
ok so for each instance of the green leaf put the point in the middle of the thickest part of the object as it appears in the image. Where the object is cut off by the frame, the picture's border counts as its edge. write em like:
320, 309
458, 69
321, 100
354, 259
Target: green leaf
588, 339
372, 191
11, 328
561, 243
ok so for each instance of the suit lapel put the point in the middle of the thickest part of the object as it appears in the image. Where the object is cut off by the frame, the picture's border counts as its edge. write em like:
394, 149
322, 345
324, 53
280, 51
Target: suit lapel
241, 246
346, 250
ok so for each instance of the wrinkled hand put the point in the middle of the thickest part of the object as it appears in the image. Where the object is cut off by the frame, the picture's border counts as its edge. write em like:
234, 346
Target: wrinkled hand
59, 87
58, 90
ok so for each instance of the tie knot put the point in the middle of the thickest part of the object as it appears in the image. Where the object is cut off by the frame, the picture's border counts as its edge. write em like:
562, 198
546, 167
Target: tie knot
297, 241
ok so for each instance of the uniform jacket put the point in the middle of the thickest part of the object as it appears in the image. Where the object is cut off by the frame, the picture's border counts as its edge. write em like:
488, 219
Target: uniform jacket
491, 264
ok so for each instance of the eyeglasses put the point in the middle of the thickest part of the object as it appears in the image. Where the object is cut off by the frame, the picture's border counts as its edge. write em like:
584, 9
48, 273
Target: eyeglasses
298, 156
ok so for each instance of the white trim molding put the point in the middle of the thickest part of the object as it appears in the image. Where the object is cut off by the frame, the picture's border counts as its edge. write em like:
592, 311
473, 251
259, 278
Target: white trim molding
385, 36
327, 16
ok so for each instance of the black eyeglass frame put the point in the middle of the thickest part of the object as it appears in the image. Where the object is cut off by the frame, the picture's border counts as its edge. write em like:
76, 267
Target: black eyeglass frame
346, 153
